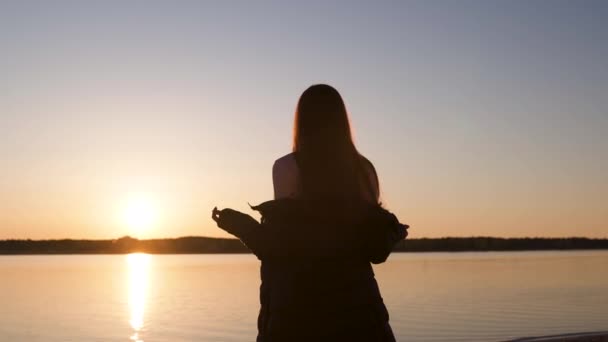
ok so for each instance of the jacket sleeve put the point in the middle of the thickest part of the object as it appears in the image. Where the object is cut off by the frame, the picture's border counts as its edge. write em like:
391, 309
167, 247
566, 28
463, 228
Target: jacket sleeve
383, 231
267, 240
372, 239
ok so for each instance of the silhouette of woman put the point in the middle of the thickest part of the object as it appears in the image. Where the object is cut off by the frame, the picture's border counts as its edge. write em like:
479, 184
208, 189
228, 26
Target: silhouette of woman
317, 238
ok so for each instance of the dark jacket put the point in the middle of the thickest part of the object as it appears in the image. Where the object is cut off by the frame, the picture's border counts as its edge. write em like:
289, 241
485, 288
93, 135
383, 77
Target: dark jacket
317, 280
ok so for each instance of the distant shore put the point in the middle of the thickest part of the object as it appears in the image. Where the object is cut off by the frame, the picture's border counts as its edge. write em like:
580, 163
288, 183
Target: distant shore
206, 245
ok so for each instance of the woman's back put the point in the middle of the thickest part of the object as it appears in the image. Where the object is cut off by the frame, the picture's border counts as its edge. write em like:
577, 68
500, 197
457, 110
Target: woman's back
287, 182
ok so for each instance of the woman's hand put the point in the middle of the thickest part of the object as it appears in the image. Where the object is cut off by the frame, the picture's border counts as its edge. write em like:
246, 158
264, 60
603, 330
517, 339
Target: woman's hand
232, 221
405, 227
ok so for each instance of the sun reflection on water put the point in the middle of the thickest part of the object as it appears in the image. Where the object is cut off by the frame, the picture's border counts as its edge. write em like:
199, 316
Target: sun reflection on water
139, 265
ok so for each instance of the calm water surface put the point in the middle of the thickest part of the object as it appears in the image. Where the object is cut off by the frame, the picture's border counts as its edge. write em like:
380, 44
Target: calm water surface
431, 296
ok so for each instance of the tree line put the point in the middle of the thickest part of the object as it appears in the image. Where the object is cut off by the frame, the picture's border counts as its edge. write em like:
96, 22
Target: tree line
196, 245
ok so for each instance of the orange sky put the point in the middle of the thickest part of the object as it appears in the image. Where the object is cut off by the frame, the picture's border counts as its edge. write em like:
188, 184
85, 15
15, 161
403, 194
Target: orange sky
485, 121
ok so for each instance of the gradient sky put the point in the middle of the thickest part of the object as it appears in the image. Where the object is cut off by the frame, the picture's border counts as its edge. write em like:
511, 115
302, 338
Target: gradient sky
481, 117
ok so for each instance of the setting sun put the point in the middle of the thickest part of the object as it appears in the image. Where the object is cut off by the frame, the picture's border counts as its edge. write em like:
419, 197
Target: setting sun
140, 214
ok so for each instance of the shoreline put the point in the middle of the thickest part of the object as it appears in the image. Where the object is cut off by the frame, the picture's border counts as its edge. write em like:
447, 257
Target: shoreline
249, 253
207, 245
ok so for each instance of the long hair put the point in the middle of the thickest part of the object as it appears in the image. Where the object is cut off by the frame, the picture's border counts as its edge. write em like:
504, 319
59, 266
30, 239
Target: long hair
330, 165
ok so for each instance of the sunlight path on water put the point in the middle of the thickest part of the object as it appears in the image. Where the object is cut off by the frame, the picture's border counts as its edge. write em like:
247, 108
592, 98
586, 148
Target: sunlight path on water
139, 265
431, 297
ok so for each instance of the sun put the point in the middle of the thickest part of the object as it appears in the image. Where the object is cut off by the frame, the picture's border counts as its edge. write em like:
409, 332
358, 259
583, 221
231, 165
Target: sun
140, 214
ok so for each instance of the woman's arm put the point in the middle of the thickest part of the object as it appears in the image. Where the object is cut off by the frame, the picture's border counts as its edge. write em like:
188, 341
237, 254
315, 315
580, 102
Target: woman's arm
271, 241
383, 231
372, 239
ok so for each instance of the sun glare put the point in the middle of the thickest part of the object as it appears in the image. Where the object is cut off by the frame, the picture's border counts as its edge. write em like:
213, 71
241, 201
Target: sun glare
140, 214
139, 265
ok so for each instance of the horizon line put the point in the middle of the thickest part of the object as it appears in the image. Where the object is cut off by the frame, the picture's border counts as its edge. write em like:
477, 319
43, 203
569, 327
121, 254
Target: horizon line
234, 238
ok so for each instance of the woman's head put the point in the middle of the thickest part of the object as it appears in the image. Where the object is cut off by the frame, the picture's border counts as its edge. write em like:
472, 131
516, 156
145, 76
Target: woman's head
321, 120
330, 165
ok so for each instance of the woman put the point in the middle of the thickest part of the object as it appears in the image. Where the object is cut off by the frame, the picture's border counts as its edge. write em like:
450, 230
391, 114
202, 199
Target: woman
316, 240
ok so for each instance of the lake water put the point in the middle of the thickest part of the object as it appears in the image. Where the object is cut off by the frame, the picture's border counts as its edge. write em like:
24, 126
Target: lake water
488, 296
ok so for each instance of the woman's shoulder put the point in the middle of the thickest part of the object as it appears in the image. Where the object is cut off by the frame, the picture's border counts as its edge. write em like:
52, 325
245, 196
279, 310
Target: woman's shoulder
367, 165
286, 162
285, 177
